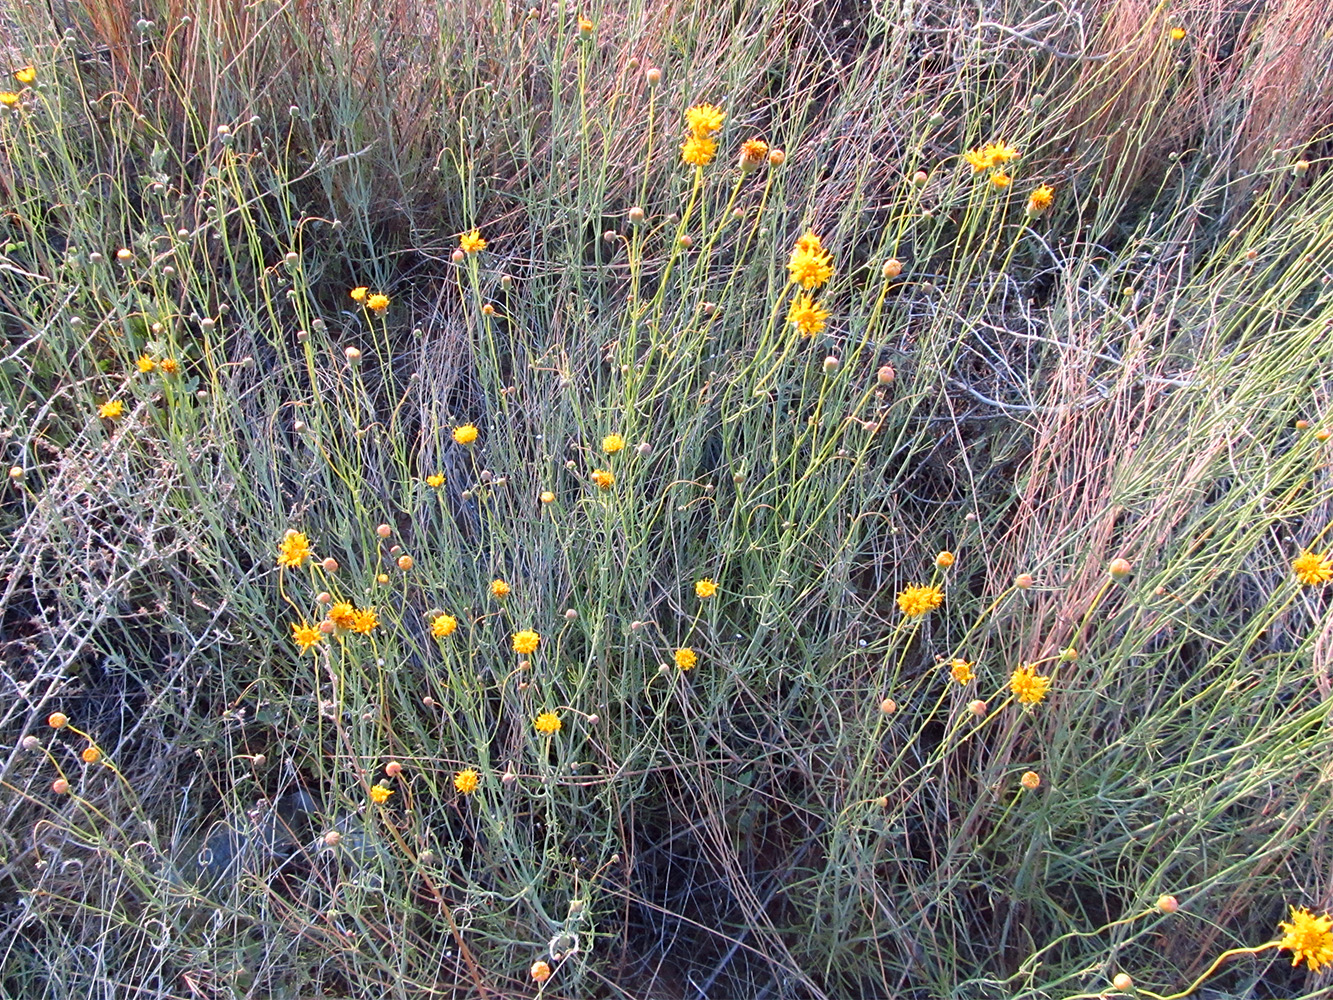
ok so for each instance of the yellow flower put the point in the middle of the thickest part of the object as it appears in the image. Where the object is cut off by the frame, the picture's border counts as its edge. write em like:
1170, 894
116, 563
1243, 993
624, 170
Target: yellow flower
365, 621
547, 723
111, 409
807, 315
540, 971
378, 302
705, 588
547, 497
1028, 686
526, 642
1308, 937
810, 265
294, 549
1311, 568
698, 150
8, 98
343, 615
978, 158
305, 635
472, 242
613, 443
26, 75
686, 658
436, 480
380, 795
961, 670
916, 601
442, 625
499, 588
359, 293
1177, 34
603, 478
753, 153
145, 363
465, 434
169, 366
704, 119
1000, 153
467, 781
585, 27
1040, 200
1001, 180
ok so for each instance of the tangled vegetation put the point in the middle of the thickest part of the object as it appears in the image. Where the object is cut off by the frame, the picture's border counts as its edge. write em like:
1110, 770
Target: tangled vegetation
666, 501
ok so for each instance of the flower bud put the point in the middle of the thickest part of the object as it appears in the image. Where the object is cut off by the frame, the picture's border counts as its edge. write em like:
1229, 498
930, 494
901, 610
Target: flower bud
333, 838
653, 75
1030, 780
886, 374
892, 267
1122, 981
1023, 581
1119, 568
888, 706
353, 355
831, 364
1167, 904
60, 786
636, 216
405, 563
776, 157
57, 720
393, 769
919, 178
383, 530
978, 708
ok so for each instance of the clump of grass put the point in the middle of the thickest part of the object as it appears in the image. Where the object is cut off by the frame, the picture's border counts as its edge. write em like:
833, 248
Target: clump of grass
513, 502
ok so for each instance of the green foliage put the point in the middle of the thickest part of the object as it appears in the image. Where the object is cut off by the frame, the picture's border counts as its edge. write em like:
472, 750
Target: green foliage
815, 808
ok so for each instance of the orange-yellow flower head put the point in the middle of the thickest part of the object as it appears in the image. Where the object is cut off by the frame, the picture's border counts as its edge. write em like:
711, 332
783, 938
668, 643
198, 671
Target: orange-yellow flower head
961, 671
365, 621
465, 434
466, 781
359, 293
435, 480
1028, 686
686, 658
145, 364
705, 589
443, 625
305, 635
1308, 937
294, 549
343, 615
380, 795
810, 265
753, 154
499, 588
1000, 180
704, 119
1312, 568
1040, 200
698, 150
26, 75
914, 601
526, 642
472, 242
111, 410
603, 479
377, 302
807, 315
613, 443
548, 723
